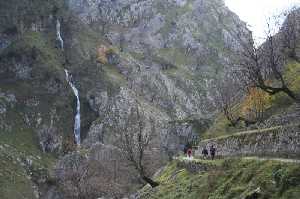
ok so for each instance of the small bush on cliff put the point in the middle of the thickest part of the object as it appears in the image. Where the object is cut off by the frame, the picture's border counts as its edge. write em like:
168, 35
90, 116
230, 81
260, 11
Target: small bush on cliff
106, 55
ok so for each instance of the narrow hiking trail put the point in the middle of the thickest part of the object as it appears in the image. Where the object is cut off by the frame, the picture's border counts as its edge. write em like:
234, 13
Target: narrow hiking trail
249, 144
285, 160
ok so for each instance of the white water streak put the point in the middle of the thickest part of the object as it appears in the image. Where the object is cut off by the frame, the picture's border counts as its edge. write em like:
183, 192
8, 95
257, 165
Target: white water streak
58, 35
75, 90
77, 116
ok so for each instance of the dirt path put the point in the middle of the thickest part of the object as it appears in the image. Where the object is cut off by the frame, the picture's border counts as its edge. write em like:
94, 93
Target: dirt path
285, 160
274, 159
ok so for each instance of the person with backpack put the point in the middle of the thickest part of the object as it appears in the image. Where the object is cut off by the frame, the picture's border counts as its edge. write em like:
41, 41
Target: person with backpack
204, 152
212, 152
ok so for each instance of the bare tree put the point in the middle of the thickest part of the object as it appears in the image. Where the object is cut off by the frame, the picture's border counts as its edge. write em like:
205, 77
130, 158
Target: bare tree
254, 105
88, 179
135, 138
262, 67
226, 98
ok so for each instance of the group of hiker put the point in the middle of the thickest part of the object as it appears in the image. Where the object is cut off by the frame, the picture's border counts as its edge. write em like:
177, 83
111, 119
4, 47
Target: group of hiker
212, 151
205, 152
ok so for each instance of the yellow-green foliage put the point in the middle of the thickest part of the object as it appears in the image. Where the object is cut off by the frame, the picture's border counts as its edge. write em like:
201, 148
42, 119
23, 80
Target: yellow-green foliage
102, 53
236, 178
111, 71
255, 104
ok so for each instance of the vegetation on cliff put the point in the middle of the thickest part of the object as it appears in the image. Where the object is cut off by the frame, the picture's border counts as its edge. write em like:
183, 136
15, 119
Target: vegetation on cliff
227, 179
161, 57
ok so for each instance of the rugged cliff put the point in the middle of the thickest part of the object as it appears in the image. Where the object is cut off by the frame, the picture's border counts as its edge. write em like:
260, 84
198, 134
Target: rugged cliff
161, 55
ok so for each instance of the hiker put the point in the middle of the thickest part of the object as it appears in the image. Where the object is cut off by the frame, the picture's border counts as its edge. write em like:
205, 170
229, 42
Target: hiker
204, 152
189, 153
212, 151
185, 149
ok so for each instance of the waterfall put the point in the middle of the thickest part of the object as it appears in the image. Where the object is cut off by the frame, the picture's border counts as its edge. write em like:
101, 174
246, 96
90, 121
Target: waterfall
77, 116
58, 35
75, 90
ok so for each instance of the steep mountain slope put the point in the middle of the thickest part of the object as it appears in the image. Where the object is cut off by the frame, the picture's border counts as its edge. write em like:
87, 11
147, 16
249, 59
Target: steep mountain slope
161, 55
168, 53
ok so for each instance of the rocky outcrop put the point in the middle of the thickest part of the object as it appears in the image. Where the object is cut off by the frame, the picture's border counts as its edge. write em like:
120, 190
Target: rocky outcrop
165, 33
168, 52
278, 141
161, 56
7, 101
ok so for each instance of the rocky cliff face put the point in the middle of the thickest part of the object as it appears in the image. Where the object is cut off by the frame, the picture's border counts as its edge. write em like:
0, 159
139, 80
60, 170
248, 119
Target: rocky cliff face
168, 53
161, 55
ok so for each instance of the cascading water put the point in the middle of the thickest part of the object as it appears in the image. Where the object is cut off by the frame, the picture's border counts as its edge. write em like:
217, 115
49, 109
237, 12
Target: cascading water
77, 116
75, 90
58, 35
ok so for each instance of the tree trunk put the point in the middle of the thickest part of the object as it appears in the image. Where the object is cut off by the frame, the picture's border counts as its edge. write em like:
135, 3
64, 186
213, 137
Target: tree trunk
284, 89
150, 181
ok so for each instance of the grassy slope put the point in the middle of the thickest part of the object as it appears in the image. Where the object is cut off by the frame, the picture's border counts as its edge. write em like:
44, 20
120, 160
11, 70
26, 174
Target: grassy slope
16, 147
235, 178
278, 104
21, 160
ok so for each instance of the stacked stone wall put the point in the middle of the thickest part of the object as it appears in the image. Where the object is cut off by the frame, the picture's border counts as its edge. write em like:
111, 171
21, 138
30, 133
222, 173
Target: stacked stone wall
277, 141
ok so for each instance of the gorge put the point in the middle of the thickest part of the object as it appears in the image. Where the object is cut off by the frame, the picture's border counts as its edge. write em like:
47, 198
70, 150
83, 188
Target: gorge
144, 74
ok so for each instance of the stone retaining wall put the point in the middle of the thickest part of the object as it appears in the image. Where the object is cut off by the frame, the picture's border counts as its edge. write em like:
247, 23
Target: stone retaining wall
277, 141
194, 166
